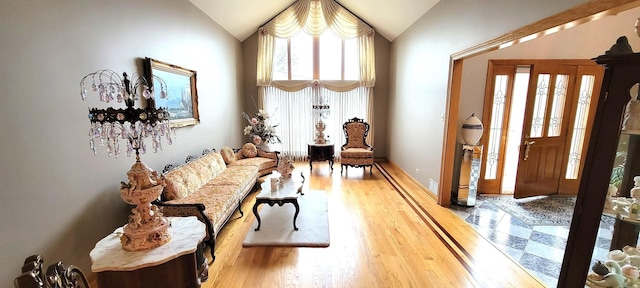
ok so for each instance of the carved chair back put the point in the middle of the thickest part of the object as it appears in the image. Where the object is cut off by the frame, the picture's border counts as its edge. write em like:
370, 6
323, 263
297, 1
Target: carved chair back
356, 131
57, 275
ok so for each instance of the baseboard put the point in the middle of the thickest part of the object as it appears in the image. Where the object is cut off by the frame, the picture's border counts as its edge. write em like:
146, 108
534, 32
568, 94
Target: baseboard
408, 177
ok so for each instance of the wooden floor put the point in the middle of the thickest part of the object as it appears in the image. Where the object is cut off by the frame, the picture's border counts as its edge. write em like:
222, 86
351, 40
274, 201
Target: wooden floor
385, 232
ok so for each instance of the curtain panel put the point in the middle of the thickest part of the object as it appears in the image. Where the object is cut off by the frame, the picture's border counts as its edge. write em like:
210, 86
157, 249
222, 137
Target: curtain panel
295, 118
314, 17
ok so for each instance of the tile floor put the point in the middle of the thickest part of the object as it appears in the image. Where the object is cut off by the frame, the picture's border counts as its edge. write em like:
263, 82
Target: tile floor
539, 249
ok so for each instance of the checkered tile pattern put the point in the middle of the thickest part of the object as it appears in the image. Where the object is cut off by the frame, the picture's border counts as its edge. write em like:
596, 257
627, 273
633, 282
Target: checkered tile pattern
539, 249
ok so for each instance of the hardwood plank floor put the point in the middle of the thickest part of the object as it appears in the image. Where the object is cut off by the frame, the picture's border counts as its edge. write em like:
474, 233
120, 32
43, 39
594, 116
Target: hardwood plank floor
386, 231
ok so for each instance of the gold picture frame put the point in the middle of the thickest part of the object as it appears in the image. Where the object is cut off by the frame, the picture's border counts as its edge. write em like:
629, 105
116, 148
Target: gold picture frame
182, 94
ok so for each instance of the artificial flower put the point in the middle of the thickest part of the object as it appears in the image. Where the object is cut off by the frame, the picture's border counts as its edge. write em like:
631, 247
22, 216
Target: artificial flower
259, 130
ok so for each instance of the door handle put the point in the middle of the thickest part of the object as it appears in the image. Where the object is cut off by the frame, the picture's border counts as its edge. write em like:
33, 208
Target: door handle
526, 150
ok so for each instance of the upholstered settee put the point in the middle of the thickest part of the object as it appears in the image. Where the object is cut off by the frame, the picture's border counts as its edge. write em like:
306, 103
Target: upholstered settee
250, 155
208, 188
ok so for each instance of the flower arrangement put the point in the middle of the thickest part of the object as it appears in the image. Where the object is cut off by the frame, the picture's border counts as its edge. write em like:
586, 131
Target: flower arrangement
259, 130
285, 167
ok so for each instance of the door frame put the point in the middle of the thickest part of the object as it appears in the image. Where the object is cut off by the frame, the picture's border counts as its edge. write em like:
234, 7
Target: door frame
580, 14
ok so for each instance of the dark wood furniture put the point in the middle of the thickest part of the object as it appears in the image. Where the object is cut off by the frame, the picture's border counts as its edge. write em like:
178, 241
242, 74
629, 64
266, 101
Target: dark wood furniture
57, 275
320, 152
622, 71
179, 272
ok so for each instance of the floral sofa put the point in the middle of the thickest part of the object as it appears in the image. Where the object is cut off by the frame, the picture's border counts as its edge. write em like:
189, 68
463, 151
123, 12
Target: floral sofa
208, 188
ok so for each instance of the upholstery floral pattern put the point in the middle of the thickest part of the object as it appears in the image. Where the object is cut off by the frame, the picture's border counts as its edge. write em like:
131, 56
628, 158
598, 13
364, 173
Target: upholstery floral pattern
209, 188
355, 135
249, 150
261, 163
185, 179
228, 155
356, 152
219, 201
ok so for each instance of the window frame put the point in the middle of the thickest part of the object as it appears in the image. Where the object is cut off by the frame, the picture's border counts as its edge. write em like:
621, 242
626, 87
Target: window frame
316, 59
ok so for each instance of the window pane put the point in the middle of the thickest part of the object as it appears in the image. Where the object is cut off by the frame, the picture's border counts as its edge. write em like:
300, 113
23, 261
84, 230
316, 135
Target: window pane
540, 106
580, 126
351, 59
557, 105
330, 56
496, 126
302, 57
280, 60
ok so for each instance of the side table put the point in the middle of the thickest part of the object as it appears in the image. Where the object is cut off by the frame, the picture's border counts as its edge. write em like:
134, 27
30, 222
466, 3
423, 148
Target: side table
171, 265
320, 152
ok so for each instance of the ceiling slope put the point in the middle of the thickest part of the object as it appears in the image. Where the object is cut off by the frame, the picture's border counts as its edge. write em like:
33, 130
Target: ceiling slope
242, 18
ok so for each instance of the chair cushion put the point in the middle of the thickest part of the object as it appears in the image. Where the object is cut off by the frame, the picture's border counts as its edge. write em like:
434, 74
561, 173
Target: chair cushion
228, 155
356, 153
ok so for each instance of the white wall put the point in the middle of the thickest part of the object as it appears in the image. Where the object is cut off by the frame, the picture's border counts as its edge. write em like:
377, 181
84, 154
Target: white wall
58, 199
420, 69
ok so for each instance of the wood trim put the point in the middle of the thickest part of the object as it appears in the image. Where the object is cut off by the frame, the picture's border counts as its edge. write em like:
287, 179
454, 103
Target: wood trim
494, 186
450, 132
404, 177
580, 14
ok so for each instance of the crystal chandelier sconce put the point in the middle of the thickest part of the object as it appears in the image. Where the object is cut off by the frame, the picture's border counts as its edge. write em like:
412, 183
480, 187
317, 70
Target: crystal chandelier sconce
147, 228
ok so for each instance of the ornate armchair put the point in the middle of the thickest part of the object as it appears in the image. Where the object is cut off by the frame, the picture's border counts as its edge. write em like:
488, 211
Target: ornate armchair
356, 152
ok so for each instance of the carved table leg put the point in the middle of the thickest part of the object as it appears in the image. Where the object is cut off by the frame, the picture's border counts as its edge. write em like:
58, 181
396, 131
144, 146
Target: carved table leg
255, 212
295, 216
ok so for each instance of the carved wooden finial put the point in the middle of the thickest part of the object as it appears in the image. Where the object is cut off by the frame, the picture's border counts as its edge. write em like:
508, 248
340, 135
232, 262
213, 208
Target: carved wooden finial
621, 47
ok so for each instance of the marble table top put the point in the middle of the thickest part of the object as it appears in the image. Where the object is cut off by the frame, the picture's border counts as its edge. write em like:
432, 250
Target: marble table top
108, 254
287, 188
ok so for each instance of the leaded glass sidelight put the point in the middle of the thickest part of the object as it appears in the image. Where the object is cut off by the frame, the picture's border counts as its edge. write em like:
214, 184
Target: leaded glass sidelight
580, 126
557, 106
540, 106
496, 127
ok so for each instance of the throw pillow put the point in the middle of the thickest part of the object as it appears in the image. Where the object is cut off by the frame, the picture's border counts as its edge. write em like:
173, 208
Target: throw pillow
249, 150
228, 155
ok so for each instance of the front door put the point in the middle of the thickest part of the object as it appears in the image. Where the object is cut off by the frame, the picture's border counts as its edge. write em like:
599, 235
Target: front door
554, 122
544, 131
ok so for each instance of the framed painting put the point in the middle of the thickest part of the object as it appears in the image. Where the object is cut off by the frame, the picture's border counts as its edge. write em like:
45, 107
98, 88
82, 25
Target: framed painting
182, 95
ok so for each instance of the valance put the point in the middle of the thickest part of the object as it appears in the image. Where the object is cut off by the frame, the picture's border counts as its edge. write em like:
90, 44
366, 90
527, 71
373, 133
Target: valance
314, 17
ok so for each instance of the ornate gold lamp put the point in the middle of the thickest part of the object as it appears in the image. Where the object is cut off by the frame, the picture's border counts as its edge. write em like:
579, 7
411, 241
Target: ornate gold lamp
147, 228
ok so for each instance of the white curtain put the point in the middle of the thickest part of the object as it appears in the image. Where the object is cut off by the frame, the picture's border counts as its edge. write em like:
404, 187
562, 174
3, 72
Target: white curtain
295, 118
314, 17
290, 102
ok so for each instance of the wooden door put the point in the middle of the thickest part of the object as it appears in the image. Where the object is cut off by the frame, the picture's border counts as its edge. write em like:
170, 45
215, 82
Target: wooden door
545, 128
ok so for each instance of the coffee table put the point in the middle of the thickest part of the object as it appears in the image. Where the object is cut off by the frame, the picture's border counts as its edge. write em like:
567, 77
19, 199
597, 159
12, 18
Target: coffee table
287, 191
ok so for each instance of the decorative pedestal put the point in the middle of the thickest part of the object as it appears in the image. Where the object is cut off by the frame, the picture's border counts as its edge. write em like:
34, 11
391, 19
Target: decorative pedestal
466, 175
147, 228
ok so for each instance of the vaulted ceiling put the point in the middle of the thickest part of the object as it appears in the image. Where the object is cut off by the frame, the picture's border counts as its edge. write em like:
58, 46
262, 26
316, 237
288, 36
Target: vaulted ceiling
242, 18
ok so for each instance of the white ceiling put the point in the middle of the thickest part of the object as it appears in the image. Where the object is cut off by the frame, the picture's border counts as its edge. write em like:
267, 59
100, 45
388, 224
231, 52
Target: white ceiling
242, 18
